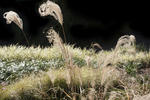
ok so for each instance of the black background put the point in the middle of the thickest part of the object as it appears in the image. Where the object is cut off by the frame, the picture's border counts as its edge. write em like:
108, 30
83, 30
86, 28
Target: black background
103, 22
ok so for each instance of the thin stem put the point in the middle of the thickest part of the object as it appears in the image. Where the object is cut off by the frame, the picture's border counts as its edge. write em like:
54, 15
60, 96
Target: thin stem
64, 34
25, 37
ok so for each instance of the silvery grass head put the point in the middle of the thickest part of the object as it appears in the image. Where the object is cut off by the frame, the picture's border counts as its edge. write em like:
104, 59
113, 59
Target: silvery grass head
51, 8
12, 16
53, 37
126, 41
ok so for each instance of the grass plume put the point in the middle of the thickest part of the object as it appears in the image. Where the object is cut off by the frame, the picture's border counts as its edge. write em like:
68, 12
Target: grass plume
12, 16
126, 41
52, 9
54, 38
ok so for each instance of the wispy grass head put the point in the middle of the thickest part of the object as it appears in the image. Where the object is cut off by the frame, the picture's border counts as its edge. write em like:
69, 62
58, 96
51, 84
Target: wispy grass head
53, 37
126, 41
51, 8
12, 16
132, 39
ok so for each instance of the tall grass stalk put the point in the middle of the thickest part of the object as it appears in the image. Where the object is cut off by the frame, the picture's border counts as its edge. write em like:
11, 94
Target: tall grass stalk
72, 69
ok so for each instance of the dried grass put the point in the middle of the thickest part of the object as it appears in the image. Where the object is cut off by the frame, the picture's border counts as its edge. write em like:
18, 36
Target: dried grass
54, 38
125, 44
108, 74
12, 16
116, 95
71, 68
145, 97
126, 41
96, 45
52, 9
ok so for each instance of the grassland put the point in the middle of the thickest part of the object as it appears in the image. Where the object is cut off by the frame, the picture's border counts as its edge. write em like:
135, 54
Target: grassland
35, 73
63, 72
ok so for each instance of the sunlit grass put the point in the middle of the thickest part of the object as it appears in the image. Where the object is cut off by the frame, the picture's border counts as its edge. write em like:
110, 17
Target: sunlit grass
44, 82
35, 73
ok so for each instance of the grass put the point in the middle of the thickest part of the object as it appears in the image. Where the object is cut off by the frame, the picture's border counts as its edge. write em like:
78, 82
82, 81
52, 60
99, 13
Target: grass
16, 61
48, 77
63, 72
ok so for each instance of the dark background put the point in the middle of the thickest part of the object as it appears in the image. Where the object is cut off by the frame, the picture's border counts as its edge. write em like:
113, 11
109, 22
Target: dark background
84, 22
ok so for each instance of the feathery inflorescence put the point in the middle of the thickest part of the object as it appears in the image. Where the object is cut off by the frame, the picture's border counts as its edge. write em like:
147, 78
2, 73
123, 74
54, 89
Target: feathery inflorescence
51, 8
126, 41
54, 38
12, 16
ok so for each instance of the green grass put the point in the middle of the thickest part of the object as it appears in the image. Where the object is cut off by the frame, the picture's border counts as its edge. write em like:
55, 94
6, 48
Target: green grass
37, 73
16, 61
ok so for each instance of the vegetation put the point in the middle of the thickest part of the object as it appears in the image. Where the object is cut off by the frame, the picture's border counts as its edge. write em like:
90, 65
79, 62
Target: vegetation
63, 72
42, 73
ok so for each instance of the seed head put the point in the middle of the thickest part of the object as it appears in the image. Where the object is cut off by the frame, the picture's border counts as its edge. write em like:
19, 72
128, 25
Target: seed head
12, 16
51, 8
